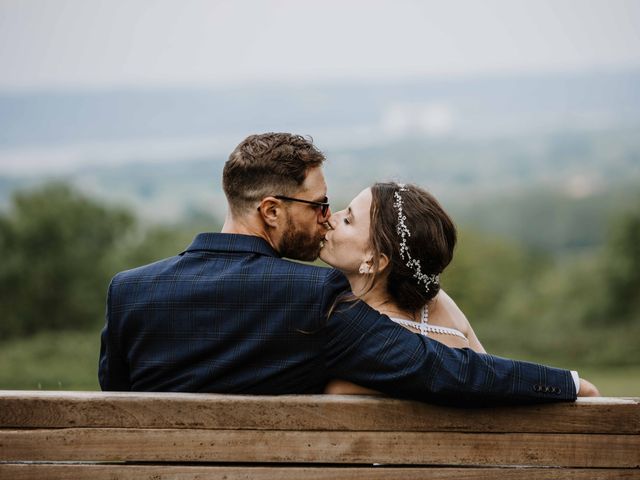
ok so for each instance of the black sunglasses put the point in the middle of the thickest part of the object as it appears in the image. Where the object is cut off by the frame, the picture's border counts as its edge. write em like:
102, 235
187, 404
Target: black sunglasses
324, 206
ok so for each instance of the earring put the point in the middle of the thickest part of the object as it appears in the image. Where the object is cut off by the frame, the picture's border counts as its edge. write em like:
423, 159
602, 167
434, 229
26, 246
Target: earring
364, 269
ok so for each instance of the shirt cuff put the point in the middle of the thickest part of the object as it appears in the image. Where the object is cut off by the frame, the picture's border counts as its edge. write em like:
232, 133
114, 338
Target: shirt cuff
576, 380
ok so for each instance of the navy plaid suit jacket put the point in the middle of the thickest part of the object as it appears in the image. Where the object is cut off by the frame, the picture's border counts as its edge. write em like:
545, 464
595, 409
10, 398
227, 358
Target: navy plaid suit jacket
229, 315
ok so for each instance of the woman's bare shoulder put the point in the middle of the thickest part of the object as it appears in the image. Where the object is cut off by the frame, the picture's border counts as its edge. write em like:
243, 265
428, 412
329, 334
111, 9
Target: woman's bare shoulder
444, 312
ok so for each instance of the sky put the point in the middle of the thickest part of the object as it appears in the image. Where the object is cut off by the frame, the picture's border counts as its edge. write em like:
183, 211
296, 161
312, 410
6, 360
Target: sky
95, 44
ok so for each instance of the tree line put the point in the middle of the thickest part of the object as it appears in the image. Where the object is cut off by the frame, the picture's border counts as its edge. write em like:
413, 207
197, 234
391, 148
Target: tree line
60, 247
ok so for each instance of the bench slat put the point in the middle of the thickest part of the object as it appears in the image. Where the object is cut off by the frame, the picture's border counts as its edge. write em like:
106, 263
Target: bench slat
317, 412
167, 472
441, 448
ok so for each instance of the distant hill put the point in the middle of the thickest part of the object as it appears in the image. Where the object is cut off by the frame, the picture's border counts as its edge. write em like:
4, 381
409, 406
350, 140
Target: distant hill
493, 106
504, 153
551, 192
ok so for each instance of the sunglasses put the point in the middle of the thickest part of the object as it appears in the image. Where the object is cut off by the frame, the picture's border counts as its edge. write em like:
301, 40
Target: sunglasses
324, 206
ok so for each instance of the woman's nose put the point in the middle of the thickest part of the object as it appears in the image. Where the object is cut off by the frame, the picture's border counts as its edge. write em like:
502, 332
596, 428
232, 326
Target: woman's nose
331, 221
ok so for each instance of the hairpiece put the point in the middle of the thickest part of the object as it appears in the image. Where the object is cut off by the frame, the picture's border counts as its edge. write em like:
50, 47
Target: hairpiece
403, 233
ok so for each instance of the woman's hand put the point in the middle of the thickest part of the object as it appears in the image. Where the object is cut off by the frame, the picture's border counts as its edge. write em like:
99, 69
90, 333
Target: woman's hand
587, 389
342, 387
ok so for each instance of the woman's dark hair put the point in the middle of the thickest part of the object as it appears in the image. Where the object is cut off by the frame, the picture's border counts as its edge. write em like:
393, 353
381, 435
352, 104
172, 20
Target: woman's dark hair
431, 241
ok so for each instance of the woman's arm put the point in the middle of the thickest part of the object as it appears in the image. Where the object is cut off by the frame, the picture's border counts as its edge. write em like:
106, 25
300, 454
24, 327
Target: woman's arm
342, 387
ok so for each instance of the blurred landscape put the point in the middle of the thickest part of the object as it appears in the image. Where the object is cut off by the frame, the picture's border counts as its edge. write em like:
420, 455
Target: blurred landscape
540, 172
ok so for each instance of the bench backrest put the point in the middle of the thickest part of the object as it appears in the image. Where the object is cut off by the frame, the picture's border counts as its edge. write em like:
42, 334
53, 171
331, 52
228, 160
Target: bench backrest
90, 434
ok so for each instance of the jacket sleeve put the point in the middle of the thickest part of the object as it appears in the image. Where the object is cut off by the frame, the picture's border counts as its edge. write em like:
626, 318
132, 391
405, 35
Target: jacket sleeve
113, 372
367, 348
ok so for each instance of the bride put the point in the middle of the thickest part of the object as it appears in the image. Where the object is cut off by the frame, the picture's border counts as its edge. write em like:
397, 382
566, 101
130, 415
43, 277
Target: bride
392, 242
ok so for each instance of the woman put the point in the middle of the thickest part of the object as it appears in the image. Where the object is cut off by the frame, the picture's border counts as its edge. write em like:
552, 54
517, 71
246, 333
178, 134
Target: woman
392, 242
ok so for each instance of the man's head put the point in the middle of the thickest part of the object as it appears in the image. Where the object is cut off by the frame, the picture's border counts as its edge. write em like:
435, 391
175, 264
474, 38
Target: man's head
276, 179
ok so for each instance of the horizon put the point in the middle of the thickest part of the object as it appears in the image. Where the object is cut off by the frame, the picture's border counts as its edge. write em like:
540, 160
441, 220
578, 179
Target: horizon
91, 83
44, 132
270, 85
62, 130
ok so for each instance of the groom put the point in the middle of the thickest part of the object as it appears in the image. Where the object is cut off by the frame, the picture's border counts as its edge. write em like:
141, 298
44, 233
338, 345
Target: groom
230, 315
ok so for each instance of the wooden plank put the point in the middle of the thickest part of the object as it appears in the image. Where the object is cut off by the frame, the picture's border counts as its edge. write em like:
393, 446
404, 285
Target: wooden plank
306, 412
439, 448
170, 472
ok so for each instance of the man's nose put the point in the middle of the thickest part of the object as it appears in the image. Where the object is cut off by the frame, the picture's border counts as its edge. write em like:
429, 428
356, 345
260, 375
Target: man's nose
330, 222
325, 222
325, 218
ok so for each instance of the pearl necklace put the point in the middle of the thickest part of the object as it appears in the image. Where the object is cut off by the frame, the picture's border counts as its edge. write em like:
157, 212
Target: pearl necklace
424, 320
423, 327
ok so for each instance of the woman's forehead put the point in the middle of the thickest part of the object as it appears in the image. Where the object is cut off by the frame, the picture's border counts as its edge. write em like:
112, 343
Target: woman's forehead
362, 201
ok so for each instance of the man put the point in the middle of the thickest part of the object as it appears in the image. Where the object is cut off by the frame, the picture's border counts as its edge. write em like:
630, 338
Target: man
230, 315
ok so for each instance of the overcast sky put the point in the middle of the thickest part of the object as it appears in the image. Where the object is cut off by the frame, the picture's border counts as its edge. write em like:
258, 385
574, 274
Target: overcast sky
116, 43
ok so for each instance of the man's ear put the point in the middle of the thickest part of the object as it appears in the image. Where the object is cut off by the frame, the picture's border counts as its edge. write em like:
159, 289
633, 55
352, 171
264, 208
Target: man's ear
270, 209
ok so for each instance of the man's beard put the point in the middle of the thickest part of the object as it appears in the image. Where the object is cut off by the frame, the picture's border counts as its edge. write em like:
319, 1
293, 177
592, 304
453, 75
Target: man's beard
299, 244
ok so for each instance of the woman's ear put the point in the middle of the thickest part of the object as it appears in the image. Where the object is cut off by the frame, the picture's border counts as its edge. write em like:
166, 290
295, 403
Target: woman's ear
383, 263
270, 209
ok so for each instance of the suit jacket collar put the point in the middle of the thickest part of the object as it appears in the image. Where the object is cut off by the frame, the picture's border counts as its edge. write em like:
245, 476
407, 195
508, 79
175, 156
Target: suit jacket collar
230, 242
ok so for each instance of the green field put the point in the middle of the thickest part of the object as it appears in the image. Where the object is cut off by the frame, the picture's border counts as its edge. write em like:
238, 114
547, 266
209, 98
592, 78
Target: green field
614, 382
69, 361
48, 361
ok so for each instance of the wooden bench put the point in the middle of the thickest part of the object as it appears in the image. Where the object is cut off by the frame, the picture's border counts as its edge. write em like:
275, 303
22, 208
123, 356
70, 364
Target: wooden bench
94, 435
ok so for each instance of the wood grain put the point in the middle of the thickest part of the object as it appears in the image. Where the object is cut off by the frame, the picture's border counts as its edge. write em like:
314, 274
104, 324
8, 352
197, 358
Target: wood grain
170, 472
437, 448
307, 412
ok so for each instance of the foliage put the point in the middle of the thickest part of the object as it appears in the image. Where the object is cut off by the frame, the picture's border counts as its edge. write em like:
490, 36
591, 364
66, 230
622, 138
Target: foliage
60, 248
622, 272
581, 309
547, 219
485, 270
153, 243
54, 243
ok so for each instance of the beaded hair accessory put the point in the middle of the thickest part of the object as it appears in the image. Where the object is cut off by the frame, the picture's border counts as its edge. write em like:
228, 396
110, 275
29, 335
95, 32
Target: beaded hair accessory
403, 233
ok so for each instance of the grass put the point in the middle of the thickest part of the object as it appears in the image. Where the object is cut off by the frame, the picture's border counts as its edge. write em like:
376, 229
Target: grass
51, 361
614, 381
69, 361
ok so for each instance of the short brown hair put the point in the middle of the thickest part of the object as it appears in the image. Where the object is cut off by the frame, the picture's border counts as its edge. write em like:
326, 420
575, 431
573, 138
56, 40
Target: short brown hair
432, 240
267, 164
